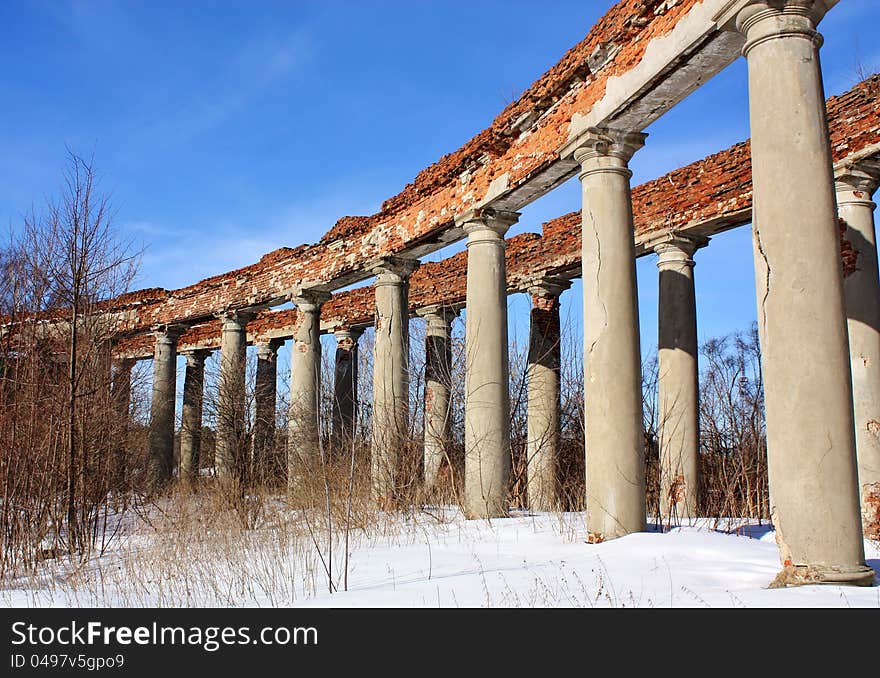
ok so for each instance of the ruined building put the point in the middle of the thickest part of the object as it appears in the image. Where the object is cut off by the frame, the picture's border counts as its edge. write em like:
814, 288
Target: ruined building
804, 182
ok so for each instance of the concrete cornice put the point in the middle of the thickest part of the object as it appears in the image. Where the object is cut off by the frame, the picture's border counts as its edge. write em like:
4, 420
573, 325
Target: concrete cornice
667, 199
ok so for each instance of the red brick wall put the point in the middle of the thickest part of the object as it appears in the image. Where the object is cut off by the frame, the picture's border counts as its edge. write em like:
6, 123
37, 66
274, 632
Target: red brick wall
426, 207
715, 189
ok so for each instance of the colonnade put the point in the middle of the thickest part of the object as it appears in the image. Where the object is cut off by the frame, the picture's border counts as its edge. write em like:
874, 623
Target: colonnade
819, 333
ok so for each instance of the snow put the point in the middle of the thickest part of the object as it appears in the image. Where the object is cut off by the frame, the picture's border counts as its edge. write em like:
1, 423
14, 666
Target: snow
446, 561
526, 562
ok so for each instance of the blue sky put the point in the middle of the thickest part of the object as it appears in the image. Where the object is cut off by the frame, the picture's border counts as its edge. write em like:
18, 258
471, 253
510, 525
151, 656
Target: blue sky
228, 129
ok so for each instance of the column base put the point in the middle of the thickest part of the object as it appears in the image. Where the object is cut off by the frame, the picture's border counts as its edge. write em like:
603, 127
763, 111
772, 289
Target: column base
837, 575
470, 514
602, 537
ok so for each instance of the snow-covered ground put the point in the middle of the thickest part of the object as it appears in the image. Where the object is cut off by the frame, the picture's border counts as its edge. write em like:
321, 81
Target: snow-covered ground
523, 561
540, 562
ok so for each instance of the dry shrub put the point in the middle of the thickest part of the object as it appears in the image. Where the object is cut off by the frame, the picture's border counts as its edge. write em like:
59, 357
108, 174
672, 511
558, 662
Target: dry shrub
64, 430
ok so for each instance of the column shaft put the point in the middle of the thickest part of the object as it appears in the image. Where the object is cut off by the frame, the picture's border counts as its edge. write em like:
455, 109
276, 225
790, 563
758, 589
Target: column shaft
161, 436
855, 185
191, 424
345, 388
805, 354
544, 362
615, 463
265, 395
304, 431
390, 376
438, 387
762, 277
121, 397
487, 389
678, 379
230, 455
121, 388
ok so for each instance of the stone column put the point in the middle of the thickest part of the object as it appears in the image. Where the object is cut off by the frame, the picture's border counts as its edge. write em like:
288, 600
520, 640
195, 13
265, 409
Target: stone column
855, 185
121, 387
678, 377
390, 374
161, 435
265, 393
545, 360
487, 389
191, 424
438, 387
615, 441
345, 387
304, 430
805, 352
120, 392
230, 455
761, 278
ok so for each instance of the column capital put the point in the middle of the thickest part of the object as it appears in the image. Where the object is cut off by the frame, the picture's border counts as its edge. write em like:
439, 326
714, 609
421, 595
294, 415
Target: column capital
168, 333
309, 299
674, 248
858, 178
196, 356
604, 148
392, 270
487, 219
763, 20
347, 337
439, 318
235, 319
547, 286
447, 312
268, 349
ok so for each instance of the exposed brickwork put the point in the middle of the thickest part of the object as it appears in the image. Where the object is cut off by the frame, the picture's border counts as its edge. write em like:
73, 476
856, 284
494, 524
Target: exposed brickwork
348, 309
713, 188
345, 228
716, 190
522, 141
544, 338
849, 254
853, 117
721, 185
570, 86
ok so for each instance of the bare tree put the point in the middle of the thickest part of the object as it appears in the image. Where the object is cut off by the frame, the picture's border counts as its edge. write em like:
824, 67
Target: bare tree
75, 261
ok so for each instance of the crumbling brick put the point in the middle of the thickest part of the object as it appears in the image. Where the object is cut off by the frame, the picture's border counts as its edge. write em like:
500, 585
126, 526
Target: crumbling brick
712, 194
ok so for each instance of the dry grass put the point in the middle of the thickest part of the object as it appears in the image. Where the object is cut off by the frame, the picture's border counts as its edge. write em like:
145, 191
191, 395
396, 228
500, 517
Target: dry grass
189, 549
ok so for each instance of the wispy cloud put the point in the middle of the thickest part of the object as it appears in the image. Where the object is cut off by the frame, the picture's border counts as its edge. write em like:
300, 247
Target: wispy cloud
178, 255
173, 259
180, 113
101, 26
194, 87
